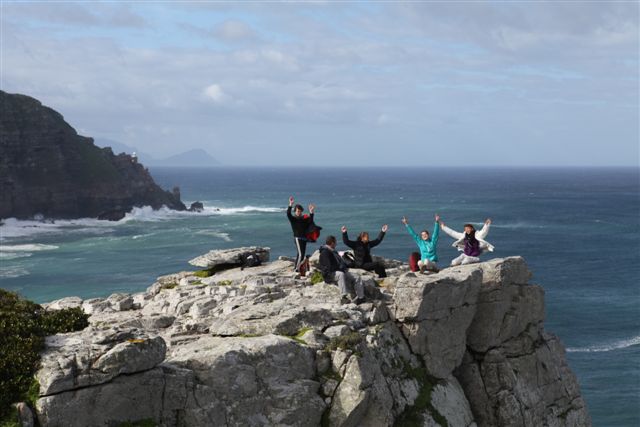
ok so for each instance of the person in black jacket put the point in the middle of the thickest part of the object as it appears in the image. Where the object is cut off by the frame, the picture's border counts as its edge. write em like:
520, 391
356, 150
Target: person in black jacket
334, 270
300, 224
362, 250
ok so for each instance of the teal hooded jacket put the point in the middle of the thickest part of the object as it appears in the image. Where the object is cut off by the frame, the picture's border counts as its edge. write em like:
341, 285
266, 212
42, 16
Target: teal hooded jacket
427, 247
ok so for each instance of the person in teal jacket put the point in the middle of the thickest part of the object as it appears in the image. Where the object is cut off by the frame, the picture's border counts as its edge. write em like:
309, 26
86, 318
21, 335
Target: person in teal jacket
427, 244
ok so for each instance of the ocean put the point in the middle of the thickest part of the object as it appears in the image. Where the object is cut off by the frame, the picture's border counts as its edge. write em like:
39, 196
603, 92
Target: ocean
578, 229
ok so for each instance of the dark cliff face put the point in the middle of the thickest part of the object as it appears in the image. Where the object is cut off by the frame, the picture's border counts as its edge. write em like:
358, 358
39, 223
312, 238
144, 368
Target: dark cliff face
47, 168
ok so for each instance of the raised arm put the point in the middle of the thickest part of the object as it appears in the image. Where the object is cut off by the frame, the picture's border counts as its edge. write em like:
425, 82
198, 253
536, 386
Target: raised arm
455, 234
378, 240
289, 209
345, 238
485, 229
312, 210
413, 234
436, 230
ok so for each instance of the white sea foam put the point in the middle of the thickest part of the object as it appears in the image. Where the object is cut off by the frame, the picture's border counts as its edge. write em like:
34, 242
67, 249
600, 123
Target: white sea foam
617, 345
35, 247
13, 255
148, 214
13, 272
214, 233
12, 228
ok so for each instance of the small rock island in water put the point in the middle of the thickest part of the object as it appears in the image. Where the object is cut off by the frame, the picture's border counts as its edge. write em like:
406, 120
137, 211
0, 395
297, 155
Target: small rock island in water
48, 170
263, 346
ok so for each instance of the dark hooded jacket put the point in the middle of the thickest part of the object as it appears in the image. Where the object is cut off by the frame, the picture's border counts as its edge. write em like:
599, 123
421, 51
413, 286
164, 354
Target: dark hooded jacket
330, 262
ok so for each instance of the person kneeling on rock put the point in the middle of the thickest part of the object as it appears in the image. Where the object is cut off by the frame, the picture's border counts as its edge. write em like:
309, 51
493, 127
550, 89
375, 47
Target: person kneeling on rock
427, 244
334, 270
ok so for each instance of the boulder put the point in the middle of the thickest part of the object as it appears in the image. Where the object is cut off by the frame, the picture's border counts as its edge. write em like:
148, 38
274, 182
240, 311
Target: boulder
229, 257
91, 357
196, 207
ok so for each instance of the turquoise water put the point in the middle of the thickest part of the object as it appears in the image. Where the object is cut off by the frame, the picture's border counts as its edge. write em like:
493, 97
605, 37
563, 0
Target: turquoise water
578, 229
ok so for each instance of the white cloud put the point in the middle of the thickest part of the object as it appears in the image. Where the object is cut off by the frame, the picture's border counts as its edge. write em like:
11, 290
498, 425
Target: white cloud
234, 31
215, 93
378, 75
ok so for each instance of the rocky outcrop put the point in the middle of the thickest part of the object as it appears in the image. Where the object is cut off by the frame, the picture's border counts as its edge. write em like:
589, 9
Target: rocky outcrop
47, 169
229, 257
263, 346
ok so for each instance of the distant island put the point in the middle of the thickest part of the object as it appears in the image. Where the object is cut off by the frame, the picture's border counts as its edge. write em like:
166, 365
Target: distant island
191, 158
47, 170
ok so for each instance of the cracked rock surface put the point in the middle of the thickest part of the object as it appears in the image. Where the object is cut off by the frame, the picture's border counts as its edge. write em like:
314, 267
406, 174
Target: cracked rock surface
263, 346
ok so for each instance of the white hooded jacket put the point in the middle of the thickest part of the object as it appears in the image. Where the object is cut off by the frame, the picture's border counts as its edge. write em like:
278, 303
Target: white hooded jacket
480, 235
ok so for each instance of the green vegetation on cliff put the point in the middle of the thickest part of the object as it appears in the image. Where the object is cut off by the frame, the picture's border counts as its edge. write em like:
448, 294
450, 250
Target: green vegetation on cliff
23, 327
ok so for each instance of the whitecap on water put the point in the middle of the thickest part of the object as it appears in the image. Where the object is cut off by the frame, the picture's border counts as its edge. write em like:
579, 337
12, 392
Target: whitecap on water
14, 255
213, 233
13, 272
34, 247
617, 345
13, 228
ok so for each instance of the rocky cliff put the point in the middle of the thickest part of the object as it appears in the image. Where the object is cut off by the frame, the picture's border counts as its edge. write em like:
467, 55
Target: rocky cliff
264, 346
46, 168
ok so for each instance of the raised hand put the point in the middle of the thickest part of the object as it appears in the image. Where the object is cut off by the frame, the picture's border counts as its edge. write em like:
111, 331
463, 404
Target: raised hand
437, 217
385, 228
312, 208
404, 220
487, 221
343, 229
291, 201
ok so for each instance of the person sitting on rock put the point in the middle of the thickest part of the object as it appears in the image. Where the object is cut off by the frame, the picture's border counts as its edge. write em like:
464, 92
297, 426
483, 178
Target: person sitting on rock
334, 270
427, 245
362, 250
300, 224
470, 243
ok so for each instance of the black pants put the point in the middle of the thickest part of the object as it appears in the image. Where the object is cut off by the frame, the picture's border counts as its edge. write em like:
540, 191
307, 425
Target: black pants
374, 266
301, 247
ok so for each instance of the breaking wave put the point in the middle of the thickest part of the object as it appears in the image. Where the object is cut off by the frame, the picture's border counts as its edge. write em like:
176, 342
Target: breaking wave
617, 345
12, 228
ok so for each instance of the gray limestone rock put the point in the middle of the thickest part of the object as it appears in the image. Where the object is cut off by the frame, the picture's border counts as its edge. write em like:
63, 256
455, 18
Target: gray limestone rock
67, 302
229, 257
91, 357
435, 312
263, 346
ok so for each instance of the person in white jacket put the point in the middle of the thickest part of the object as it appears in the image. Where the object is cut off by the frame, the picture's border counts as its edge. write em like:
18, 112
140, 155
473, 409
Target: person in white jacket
470, 243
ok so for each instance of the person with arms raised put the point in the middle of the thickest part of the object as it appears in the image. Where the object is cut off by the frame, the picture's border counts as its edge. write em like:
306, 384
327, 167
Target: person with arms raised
470, 243
362, 250
427, 245
299, 225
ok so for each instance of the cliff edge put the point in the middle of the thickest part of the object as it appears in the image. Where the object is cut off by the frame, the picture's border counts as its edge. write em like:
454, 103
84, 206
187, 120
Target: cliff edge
264, 346
47, 169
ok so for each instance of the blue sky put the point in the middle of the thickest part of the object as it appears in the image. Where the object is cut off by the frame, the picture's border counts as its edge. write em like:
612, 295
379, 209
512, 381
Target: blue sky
354, 83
